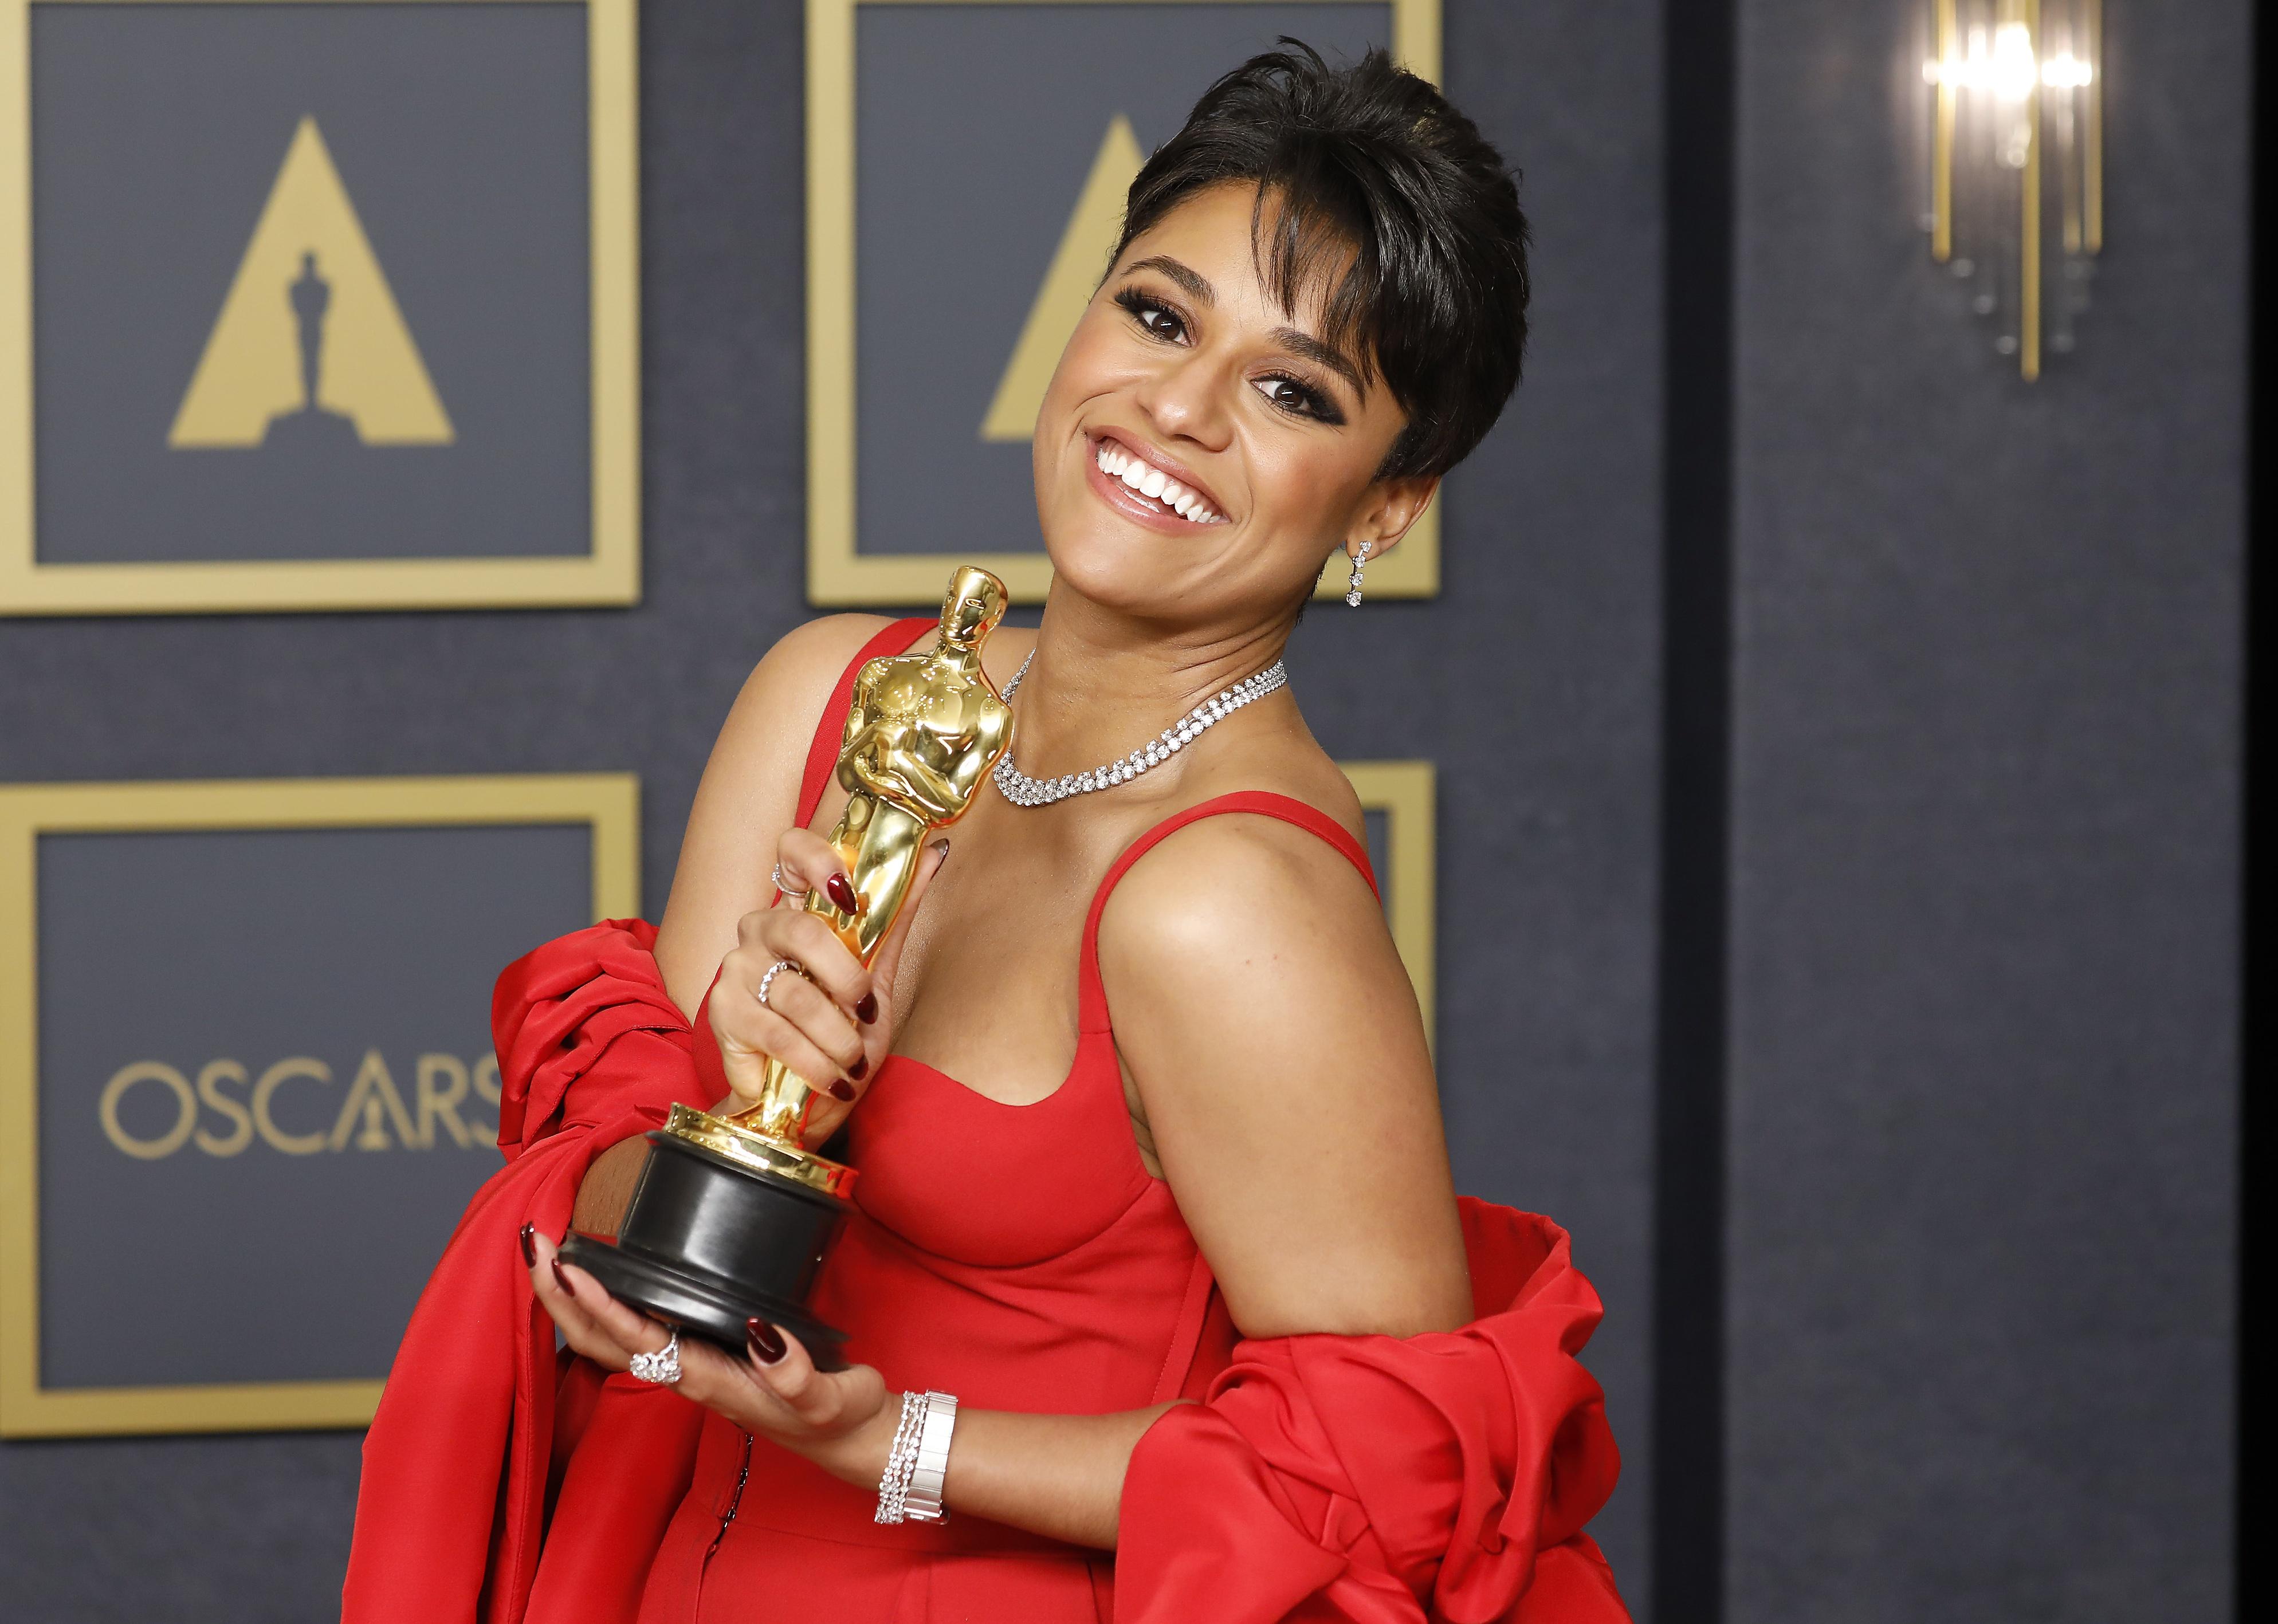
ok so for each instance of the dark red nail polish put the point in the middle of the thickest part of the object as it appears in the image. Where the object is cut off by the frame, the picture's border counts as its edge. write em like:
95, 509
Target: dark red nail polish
767, 1343
562, 1280
867, 1010
841, 1089
941, 848
842, 893
529, 1246
859, 1069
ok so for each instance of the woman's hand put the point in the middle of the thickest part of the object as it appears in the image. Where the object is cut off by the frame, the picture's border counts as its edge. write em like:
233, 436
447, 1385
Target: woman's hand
831, 1026
840, 1420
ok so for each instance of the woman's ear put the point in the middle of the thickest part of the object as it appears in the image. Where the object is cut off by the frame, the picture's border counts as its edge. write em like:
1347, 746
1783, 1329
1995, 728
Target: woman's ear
1391, 507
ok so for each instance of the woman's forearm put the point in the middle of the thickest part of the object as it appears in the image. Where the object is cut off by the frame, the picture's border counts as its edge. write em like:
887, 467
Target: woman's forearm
1058, 1475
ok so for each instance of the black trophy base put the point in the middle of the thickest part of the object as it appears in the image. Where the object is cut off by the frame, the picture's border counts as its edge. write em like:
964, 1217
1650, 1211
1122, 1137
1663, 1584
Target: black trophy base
708, 1243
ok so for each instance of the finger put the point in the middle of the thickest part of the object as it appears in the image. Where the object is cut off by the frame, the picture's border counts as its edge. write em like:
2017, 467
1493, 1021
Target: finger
807, 939
823, 1023
810, 863
722, 1383
888, 958
757, 1034
557, 1292
780, 1361
815, 1400
624, 1324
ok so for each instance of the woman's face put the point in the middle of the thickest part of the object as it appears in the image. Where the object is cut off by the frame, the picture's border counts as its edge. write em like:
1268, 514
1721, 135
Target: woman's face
1200, 451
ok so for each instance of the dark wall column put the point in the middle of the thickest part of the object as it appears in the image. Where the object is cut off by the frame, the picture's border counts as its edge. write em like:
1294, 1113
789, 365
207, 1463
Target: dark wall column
1983, 1067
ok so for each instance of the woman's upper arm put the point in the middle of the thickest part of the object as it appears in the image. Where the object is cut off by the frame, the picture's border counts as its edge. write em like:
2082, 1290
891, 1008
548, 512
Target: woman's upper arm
1280, 1056
749, 797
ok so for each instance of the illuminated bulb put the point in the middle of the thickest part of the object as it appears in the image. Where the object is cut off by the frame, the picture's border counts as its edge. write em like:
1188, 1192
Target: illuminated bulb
2014, 68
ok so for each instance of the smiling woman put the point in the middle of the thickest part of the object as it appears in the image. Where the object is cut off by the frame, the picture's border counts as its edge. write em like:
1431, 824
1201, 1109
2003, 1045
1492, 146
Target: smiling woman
1159, 1298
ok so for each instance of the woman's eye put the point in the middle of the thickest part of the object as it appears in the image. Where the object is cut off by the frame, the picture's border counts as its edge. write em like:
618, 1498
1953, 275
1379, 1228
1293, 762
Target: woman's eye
1292, 396
1158, 322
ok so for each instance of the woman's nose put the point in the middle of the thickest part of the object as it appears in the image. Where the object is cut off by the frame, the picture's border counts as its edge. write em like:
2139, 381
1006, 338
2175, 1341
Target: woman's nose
1184, 399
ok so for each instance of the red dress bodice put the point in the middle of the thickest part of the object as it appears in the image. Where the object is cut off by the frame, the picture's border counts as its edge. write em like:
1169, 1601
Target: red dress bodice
1020, 1256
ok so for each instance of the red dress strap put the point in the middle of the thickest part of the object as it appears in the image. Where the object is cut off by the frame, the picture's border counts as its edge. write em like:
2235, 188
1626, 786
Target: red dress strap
1091, 996
823, 755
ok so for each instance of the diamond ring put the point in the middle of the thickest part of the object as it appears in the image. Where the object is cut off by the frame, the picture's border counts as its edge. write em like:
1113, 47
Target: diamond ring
662, 1367
776, 969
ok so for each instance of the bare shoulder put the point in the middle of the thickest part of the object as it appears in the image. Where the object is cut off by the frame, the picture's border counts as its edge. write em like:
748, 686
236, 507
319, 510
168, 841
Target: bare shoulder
1241, 911
1221, 875
1228, 882
752, 779
749, 794
804, 664
1275, 1046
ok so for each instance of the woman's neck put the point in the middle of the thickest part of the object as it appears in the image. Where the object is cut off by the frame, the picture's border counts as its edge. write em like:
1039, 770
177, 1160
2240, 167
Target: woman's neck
1100, 683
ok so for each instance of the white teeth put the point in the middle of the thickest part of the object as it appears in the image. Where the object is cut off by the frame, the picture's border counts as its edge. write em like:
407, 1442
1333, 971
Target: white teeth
1154, 482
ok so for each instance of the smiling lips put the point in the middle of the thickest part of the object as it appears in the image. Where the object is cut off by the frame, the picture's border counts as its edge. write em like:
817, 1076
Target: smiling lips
1152, 483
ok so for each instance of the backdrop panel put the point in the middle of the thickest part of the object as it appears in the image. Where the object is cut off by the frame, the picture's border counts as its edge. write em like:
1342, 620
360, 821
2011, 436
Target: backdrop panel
966, 168
317, 317
253, 1059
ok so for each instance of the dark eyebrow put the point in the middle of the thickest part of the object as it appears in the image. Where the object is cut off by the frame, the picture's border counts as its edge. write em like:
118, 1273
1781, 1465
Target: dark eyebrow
1188, 281
1307, 347
1304, 345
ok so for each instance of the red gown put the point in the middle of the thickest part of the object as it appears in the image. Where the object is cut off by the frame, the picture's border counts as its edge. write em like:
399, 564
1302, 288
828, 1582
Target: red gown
1022, 1258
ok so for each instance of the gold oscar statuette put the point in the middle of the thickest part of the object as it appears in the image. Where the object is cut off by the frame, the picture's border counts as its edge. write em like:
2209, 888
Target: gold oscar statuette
731, 1215
923, 731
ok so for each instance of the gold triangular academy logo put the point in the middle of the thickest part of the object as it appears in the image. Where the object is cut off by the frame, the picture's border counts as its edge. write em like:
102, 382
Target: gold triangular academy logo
310, 344
1076, 267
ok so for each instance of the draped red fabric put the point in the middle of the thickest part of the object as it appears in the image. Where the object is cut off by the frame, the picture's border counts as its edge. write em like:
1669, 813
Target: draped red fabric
1376, 1479
481, 1428
1366, 1479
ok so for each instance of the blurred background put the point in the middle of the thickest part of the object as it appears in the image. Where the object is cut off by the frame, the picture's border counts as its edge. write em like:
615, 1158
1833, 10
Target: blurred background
1824, 710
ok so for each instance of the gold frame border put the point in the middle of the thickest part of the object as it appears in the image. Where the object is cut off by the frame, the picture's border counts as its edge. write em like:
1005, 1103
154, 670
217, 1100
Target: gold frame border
609, 803
839, 575
610, 573
1407, 793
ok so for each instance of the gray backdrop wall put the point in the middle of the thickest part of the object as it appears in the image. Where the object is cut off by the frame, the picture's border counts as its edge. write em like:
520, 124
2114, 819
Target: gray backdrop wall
1985, 873
1981, 953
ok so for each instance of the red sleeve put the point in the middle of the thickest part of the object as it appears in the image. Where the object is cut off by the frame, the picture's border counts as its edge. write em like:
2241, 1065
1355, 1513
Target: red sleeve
1378, 1479
452, 1508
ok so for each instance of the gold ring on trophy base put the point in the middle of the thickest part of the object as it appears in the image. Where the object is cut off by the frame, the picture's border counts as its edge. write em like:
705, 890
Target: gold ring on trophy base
760, 1154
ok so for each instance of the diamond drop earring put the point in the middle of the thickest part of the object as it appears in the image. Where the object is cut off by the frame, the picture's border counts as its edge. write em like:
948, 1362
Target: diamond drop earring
1360, 562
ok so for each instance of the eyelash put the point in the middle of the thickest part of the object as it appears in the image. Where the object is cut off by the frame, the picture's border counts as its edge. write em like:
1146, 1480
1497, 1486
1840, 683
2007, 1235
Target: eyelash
1311, 402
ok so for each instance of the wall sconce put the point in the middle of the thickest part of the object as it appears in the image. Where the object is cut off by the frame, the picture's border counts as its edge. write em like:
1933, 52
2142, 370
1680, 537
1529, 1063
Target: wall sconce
2017, 112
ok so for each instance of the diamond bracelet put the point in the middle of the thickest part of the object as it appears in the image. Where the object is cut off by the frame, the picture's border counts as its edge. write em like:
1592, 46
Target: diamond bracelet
916, 1463
901, 1460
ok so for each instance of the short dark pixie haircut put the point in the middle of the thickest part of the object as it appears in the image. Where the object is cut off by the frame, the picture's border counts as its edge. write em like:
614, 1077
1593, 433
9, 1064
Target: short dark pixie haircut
1369, 163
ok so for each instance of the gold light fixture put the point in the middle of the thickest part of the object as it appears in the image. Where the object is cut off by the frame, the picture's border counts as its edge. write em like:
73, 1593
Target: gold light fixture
2016, 113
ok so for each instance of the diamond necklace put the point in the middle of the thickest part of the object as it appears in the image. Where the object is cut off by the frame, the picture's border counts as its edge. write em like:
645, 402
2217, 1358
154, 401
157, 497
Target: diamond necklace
1022, 791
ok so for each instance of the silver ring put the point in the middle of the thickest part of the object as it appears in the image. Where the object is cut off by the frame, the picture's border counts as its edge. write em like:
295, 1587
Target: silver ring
662, 1367
775, 970
786, 890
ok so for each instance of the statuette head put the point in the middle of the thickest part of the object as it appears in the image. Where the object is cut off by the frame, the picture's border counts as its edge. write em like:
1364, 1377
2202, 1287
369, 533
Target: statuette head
976, 604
